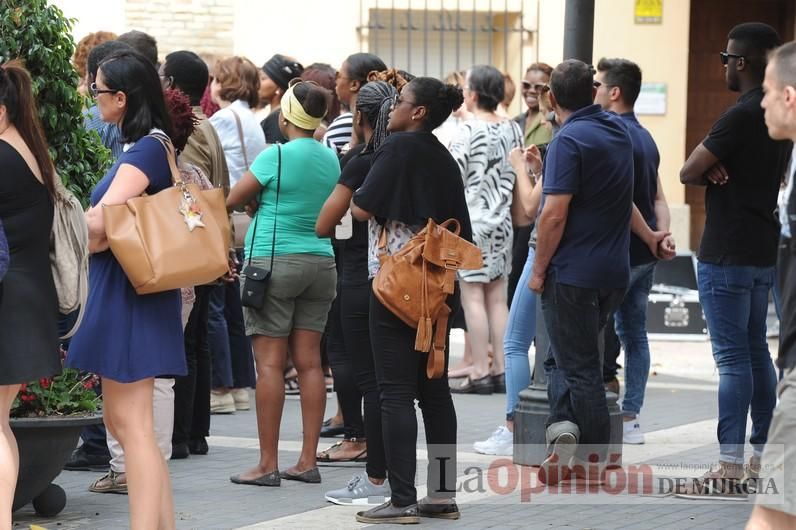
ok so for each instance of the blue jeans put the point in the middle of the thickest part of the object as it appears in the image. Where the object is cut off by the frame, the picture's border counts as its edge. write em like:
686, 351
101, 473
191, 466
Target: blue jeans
735, 301
574, 317
520, 331
230, 348
631, 327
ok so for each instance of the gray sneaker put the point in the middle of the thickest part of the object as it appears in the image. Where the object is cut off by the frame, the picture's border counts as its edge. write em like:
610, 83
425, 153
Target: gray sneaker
361, 492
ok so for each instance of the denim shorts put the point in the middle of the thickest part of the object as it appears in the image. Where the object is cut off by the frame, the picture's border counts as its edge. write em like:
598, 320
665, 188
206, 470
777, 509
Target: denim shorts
299, 296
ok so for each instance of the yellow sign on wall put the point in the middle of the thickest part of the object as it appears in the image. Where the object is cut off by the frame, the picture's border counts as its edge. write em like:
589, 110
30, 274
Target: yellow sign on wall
649, 11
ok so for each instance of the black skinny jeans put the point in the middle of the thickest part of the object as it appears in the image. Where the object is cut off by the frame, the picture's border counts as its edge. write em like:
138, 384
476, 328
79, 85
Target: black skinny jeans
401, 374
339, 353
354, 306
192, 392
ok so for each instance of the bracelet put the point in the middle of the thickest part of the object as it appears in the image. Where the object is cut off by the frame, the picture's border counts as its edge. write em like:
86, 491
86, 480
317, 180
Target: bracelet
533, 174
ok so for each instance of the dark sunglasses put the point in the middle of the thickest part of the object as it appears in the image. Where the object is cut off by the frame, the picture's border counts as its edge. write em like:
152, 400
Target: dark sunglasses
537, 87
97, 91
725, 57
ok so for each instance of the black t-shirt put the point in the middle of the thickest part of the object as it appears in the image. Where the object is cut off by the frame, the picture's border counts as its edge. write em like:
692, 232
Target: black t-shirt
413, 177
270, 127
741, 227
354, 267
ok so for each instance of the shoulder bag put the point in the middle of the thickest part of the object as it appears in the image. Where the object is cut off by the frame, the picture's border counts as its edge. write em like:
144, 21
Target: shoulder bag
256, 280
175, 238
240, 220
415, 282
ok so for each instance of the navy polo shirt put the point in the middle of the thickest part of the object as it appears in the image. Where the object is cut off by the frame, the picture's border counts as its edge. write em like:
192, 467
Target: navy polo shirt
646, 161
591, 159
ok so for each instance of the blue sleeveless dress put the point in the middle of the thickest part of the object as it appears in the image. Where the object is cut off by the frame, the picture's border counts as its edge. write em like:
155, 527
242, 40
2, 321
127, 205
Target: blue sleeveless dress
124, 336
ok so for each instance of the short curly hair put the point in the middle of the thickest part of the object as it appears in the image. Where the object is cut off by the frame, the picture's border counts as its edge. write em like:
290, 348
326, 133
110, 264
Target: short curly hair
239, 79
84, 47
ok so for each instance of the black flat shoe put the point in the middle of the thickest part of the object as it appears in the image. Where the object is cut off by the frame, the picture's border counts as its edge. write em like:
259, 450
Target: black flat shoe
179, 451
331, 431
198, 446
388, 514
83, 461
432, 510
311, 476
271, 479
499, 383
482, 386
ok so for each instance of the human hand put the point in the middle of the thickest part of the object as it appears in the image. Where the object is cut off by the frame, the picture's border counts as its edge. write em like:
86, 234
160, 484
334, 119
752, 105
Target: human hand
536, 283
251, 208
717, 174
533, 159
654, 239
666, 249
517, 157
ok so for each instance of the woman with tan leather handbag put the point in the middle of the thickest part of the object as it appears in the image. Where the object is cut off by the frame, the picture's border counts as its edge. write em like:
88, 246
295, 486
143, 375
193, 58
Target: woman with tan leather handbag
128, 338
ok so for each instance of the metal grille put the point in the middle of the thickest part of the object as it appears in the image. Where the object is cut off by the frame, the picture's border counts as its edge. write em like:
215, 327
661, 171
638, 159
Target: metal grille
434, 38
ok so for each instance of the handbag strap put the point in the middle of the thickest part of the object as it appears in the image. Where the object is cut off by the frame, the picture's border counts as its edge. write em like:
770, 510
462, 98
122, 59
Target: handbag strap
241, 138
276, 208
165, 141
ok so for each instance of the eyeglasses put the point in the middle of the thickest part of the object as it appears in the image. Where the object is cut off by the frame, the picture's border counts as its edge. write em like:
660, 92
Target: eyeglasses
725, 57
536, 87
396, 100
97, 91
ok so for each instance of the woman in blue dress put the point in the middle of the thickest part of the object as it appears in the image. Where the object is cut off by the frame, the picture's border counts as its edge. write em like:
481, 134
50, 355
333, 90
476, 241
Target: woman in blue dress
127, 338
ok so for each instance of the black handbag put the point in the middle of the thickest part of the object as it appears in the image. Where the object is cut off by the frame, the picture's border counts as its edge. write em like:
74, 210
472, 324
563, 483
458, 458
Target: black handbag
257, 279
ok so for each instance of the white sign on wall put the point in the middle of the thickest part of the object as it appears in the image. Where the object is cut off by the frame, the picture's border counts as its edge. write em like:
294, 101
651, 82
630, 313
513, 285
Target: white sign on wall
652, 99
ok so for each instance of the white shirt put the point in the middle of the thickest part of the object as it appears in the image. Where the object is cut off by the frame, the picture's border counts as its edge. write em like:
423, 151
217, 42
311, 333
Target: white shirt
225, 125
784, 195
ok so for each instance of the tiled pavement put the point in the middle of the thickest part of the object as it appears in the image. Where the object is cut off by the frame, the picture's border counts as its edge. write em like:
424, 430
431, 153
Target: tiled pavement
680, 409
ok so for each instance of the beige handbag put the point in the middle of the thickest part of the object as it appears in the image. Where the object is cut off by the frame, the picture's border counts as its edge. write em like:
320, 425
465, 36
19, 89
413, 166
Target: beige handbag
175, 238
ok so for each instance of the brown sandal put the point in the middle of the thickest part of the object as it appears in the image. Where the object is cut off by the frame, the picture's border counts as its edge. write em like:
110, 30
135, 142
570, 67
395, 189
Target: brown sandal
327, 455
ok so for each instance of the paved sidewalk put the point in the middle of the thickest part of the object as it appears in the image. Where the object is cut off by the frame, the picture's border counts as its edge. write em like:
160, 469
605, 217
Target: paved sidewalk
679, 418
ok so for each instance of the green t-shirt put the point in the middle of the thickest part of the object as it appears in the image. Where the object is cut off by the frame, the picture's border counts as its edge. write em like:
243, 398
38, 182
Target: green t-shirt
310, 171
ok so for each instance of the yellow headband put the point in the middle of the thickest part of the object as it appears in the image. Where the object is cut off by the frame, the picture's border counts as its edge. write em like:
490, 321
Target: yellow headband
293, 112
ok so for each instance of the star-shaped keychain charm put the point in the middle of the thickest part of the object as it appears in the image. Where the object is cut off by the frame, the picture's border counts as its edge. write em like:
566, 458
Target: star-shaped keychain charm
191, 215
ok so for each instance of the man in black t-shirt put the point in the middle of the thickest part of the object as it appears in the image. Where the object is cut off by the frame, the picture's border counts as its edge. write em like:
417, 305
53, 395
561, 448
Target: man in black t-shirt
742, 168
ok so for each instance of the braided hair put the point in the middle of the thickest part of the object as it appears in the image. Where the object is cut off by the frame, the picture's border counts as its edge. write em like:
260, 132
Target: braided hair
374, 102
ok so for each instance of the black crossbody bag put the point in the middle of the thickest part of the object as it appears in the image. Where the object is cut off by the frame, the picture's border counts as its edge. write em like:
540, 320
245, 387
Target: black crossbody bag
257, 279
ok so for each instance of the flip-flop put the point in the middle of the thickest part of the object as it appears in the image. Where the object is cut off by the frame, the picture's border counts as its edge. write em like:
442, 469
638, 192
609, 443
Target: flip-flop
326, 455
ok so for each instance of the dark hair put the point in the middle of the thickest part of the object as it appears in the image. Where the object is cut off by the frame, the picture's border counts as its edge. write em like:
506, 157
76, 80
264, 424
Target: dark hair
623, 74
755, 40
16, 93
540, 67
188, 72
406, 75
131, 73
143, 43
488, 83
183, 120
361, 64
784, 59
324, 75
572, 84
438, 98
100, 52
312, 99
374, 102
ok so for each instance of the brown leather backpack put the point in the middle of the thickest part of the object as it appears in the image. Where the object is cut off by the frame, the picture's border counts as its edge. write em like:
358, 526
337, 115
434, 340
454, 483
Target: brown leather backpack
415, 282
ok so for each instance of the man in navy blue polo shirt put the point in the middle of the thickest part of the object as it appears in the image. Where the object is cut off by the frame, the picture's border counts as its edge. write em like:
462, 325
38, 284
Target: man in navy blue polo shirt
619, 84
581, 267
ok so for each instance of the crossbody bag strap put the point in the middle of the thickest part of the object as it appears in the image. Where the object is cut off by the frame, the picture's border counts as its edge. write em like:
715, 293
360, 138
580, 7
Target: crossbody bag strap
240, 137
276, 207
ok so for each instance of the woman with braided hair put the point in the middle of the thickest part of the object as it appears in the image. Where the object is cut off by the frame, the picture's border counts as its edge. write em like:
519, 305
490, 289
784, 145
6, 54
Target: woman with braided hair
370, 124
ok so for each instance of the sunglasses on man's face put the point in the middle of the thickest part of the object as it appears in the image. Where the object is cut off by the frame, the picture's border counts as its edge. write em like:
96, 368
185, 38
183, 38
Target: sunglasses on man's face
536, 87
725, 57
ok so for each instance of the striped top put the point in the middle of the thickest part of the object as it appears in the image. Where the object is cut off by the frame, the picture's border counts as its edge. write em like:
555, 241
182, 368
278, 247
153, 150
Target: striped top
339, 132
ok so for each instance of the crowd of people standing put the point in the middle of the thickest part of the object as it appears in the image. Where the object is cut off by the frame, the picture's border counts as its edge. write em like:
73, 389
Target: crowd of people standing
347, 165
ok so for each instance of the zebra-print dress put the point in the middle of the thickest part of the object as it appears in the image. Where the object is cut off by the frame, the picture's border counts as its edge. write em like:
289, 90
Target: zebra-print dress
482, 151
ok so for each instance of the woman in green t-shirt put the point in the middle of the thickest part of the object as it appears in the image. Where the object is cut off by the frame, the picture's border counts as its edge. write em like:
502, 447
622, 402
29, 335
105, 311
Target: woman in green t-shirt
290, 183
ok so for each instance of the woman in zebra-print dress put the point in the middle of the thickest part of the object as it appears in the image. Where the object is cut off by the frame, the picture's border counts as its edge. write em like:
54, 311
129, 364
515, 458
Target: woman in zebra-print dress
482, 151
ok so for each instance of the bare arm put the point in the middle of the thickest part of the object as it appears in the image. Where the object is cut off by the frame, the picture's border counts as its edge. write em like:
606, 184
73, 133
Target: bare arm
129, 182
703, 168
244, 191
550, 225
358, 213
333, 210
662, 215
526, 194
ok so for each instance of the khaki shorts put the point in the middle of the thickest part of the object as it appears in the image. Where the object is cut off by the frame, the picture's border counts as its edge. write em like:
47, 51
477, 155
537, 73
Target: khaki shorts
777, 487
300, 293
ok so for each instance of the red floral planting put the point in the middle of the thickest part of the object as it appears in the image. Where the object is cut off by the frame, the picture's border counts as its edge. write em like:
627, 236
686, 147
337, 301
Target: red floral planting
71, 392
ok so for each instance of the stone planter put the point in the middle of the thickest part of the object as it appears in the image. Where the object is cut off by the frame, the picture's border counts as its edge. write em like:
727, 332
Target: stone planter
45, 445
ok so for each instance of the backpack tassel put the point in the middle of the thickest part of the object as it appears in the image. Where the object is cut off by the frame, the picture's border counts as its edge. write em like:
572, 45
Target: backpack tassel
425, 330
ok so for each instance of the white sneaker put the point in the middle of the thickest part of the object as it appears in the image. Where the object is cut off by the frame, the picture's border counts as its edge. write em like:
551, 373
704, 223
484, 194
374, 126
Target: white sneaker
241, 398
632, 433
501, 443
221, 403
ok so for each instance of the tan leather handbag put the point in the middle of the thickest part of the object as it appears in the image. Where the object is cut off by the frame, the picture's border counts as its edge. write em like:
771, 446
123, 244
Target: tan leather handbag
415, 282
173, 239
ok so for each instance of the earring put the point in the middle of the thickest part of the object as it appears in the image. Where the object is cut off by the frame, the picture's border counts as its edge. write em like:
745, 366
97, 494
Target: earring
413, 118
